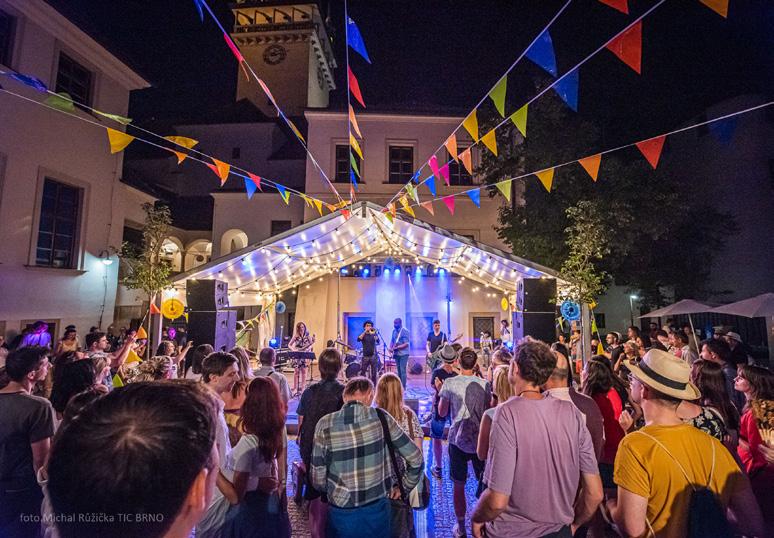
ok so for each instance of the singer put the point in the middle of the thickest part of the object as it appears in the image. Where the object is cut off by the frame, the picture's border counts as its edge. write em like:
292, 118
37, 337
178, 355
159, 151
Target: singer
301, 341
370, 339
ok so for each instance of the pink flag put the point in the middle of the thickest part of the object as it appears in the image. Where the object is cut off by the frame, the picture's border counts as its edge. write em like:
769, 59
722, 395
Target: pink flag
433, 162
444, 170
449, 201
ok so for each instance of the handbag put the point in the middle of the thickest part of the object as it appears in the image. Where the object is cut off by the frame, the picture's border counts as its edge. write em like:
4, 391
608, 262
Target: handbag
419, 497
401, 514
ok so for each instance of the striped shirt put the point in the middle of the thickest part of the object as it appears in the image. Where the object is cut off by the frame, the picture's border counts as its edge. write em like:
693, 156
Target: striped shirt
351, 461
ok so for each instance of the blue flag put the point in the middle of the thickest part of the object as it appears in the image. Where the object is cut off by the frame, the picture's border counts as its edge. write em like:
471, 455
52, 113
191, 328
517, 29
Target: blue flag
198, 4
352, 178
542, 53
355, 40
567, 89
430, 182
475, 195
250, 187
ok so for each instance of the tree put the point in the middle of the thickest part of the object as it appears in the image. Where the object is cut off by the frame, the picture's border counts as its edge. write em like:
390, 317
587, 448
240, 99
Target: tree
587, 244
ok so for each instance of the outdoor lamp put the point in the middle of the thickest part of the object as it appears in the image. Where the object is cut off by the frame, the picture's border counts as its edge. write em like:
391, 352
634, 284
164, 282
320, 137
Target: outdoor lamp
105, 258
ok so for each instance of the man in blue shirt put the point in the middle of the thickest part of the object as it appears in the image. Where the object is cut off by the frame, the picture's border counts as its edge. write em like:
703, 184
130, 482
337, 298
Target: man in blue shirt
399, 345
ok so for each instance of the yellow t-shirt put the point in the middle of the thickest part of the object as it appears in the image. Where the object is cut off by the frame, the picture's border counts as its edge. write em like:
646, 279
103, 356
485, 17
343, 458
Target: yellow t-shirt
645, 469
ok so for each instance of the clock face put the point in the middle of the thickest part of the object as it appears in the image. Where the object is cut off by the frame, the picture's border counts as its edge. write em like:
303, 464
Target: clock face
274, 54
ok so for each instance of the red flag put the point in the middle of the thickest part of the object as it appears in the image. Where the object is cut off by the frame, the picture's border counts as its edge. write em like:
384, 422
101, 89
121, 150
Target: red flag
354, 88
620, 5
346, 213
236, 53
154, 309
628, 47
651, 149
449, 201
255, 179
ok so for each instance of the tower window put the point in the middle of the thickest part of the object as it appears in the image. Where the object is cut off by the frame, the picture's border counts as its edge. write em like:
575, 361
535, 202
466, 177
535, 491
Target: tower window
236, 153
279, 226
6, 37
73, 79
401, 165
58, 226
342, 164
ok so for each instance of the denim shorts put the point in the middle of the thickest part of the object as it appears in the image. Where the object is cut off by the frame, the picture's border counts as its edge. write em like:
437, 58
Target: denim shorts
437, 427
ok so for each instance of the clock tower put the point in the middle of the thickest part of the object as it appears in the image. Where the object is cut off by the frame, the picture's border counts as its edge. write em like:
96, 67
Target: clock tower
287, 45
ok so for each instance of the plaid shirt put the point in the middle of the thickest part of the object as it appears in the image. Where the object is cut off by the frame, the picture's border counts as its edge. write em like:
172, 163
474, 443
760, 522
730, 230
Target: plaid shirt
351, 461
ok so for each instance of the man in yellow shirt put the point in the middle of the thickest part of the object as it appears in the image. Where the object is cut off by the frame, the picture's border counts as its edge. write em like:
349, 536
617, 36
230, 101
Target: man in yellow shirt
657, 467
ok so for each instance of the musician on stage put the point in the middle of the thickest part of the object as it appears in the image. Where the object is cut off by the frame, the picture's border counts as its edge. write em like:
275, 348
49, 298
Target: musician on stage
435, 340
301, 341
399, 346
369, 339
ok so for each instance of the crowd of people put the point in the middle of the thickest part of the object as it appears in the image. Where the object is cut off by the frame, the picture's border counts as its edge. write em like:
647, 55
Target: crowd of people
643, 439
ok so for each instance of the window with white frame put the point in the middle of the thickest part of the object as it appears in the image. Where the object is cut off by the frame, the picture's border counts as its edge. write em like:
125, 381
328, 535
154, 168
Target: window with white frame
401, 164
58, 226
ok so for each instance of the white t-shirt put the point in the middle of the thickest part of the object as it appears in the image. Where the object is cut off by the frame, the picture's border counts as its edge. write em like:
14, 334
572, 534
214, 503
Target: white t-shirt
247, 458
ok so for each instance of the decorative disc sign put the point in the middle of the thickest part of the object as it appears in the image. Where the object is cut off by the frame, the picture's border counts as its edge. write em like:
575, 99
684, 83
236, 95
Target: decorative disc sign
172, 308
280, 307
570, 311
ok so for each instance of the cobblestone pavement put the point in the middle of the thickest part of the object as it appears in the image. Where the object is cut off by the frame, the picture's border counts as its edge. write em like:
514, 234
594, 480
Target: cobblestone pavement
437, 521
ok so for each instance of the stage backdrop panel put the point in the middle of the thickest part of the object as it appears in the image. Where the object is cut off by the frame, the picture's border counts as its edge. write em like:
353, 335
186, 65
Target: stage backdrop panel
353, 326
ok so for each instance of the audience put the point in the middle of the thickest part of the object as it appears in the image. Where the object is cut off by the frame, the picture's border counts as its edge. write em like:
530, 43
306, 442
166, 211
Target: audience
154, 369
267, 357
389, 398
193, 369
713, 412
716, 350
438, 423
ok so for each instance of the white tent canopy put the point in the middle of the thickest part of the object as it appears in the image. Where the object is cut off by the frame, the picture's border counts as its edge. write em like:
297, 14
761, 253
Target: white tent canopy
686, 306
331, 242
754, 307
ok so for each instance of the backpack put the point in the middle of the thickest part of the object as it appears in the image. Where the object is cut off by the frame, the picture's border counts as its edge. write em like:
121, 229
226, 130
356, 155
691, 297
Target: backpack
706, 515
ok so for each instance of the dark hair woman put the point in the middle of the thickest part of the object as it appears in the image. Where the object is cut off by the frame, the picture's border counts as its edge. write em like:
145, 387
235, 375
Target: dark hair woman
74, 377
194, 369
713, 413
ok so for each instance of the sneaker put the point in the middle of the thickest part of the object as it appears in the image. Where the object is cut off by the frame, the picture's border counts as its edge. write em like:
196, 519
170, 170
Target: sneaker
436, 472
458, 532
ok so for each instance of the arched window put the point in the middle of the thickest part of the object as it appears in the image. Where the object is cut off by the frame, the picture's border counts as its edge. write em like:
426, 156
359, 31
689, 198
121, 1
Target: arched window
232, 240
198, 253
172, 251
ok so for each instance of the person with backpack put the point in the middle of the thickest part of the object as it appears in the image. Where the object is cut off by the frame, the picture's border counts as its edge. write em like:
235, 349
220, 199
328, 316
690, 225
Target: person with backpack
673, 479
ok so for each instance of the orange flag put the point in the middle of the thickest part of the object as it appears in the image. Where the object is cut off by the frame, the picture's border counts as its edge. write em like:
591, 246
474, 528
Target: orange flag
591, 165
718, 6
471, 125
118, 140
183, 141
628, 47
221, 169
467, 161
392, 209
154, 309
651, 149
546, 177
428, 206
451, 146
353, 121
490, 141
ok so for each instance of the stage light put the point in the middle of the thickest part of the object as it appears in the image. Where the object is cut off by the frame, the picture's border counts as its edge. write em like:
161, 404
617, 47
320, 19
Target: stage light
397, 270
344, 271
387, 271
274, 343
418, 271
442, 271
509, 345
366, 271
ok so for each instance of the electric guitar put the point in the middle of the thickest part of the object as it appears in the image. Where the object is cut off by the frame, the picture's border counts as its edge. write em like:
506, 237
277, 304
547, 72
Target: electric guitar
431, 359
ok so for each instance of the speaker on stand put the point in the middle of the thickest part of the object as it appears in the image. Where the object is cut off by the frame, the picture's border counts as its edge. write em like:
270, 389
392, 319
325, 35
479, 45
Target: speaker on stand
535, 314
209, 319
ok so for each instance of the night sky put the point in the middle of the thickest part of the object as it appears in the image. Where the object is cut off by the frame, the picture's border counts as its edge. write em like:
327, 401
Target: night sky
449, 53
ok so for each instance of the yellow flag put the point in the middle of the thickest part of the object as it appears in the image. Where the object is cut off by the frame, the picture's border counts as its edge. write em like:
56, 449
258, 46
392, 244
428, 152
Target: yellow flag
318, 205
355, 145
490, 141
132, 357
451, 146
412, 191
497, 95
117, 381
467, 161
222, 169
184, 142
406, 206
471, 125
353, 121
519, 119
505, 188
546, 177
118, 140
295, 130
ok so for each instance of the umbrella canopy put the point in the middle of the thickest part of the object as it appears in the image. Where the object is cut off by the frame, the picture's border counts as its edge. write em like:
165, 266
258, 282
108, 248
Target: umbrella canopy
754, 307
686, 306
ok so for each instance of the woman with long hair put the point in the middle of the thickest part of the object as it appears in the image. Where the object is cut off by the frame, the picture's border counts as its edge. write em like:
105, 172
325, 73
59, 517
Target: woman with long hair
302, 342
194, 369
260, 466
502, 390
389, 397
235, 398
73, 378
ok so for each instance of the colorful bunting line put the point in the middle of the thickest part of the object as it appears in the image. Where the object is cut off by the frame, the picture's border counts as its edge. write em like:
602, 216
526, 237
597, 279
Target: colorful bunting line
542, 53
354, 87
118, 140
620, 5
628, 47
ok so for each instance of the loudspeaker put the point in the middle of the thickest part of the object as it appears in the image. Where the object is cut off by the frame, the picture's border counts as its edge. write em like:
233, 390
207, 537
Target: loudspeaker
536, 295
206, 295
538, 325
215, 328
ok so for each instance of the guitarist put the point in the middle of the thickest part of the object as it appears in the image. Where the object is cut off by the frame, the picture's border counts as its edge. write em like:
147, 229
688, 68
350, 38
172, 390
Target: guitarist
436, 339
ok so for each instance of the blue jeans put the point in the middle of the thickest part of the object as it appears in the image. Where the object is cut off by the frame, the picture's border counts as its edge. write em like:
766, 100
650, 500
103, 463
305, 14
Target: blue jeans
400, 363
371, 520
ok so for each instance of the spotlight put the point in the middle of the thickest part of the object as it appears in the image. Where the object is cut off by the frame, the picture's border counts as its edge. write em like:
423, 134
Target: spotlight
397, 270
442, 271
274, 343
366, 271
344, 271
386, 270
418, 271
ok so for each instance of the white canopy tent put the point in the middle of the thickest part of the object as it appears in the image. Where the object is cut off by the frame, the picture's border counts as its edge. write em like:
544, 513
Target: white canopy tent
759, 306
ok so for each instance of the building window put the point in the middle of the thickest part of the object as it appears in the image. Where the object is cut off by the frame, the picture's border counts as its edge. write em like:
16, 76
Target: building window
401, 164
58, 227
6, 37
279, 226
342, 164
73, 79
236, 153
457, 173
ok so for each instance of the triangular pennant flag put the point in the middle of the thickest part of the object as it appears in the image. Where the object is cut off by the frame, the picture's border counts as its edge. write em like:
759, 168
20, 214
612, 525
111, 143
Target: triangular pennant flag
183, 141
117, 381
620, 5
115, 117
390, 217
444, 171
238, 55
490, 141
267, 91
718, 6
628, 47
412, 191
355, 40
449, 201
354, 88
353, 121
283, 192
651, 149
392, 209
255, 179
294, 129
131, 357
451, 146
306, 199
475, 195
352, 178
406, 206
32, 82
332, 208
430, 182
467, 161
353, 163
433, 162
546, 177
346, 213
542, 53
505, 188
497, 95
250, 188
519, 119
591, 165
154, 310
471, 125
567, 89
61, 101
118, 140
341, 204
353, 143
352, 197
221, 169
198, 4
318, 205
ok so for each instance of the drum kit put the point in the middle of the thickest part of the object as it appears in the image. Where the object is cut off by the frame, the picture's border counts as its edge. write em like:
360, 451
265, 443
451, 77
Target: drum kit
353, 359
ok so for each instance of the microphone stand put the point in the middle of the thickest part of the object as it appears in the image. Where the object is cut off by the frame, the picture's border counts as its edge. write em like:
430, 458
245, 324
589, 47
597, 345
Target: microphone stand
384, 352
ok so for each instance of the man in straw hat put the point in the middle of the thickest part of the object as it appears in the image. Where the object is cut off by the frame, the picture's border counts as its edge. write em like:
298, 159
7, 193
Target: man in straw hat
438, 423
656, 465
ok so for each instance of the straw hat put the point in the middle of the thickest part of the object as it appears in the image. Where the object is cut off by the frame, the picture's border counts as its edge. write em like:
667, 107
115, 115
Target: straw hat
448, 353
665, 373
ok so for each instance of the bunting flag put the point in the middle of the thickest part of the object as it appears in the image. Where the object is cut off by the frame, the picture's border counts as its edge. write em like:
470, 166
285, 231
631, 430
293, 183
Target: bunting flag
353, 143
115, 117
353, 164
318, 205
267, 91
389, 217
221, 169
724, 130
355, 40
718, 6
490, 141
255, 179
198, 4
430, 182
154, 310
451, 146
591, 165
449, 201
32, 82
61, 101
353, 121
183, 141
352, 178
354, 88
393, 210
118, 140
284, 193
467, 161
471, 125
546, 177
475, 195
412, 191
346, 213
497, 95
542, 53
505, 188
567, 89
332, 208
651, 149
433, 162
406, 206
428, 207
306, 199
294, 129
620, 5
352, 197
444, 171
628, 47
237, 54
117, 381
519, 119
250, 188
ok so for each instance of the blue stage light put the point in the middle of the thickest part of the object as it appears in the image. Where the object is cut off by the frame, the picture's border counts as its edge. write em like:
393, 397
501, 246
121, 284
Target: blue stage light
442, 271
274, 343
418, 270
386, 270
509, 345
344, 271
366, 271
397, 270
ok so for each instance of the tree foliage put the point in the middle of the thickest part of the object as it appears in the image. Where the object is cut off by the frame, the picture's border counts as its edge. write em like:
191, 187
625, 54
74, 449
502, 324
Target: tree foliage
145, 269
587, 244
